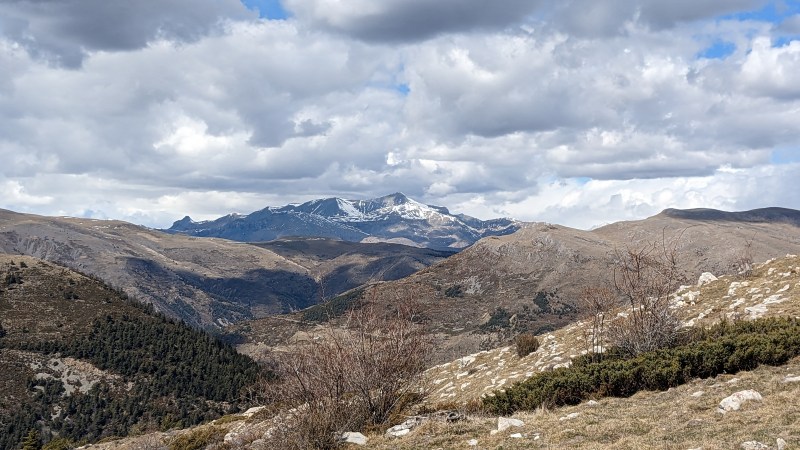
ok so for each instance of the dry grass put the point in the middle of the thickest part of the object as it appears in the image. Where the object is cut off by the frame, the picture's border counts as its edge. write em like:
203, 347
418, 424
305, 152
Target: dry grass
476, 375
674, 419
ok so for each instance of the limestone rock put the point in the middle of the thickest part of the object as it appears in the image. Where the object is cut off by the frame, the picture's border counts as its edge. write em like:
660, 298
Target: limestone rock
352, 437
504, 423
734, 402
705, 278
753, 445
405, 427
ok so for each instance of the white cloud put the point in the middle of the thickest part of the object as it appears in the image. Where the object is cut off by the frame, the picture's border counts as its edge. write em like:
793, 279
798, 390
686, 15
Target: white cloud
545, 111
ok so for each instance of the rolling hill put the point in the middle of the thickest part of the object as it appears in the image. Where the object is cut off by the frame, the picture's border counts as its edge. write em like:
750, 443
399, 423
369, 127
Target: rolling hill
208, 282
81, 361
530, 280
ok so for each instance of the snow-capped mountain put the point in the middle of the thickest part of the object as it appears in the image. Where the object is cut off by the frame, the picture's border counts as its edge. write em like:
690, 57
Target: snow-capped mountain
392, 218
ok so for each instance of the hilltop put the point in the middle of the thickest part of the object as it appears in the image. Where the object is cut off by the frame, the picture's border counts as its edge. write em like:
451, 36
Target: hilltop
81, 361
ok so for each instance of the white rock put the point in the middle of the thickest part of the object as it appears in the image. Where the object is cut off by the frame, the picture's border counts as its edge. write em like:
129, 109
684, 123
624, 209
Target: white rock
515, 435
570, 416
398, 433
352, 437
780, 444
791, 379
698, 394
591, 403
753, 445
472, 442
253, 410
705, 278
504, 423
734, 402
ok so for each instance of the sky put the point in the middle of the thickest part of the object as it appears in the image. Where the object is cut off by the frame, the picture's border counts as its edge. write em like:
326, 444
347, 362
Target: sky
577, 112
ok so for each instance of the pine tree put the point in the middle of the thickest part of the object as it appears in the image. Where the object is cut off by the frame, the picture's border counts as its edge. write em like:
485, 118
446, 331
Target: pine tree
31, 441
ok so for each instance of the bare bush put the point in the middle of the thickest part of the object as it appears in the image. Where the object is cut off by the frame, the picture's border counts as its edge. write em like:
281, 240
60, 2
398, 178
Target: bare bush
527, 343
645, 279
595, 303
347, 378
742, 263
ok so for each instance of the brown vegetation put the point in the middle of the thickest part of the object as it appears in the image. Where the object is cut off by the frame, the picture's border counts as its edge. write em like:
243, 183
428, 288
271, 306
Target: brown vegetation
348, 379
645, 279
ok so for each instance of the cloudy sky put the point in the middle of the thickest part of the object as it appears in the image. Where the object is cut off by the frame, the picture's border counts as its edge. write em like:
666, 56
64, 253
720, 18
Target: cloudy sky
579, 112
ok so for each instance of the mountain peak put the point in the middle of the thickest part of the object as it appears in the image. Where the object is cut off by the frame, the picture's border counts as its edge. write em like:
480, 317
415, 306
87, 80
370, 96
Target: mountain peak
391, 218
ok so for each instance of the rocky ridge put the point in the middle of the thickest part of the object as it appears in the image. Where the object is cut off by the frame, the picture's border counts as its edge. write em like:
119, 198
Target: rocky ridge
391, 218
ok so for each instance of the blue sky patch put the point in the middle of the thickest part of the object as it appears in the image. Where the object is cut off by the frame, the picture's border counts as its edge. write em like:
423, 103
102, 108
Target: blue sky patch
718, 50
267, 9
785, 155
402, 89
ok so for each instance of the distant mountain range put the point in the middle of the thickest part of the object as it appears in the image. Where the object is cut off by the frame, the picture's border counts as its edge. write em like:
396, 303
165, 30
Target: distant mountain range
209, 282
530, 281
393, 218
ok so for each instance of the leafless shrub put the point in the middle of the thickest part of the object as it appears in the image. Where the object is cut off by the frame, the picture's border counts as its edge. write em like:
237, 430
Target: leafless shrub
347, 378
742, 264
596, 302
645, 279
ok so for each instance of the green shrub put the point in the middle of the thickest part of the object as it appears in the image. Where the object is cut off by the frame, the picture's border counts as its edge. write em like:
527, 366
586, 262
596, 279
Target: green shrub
198, 439
60, 444
334, 307
724, 348
527, 343
500, 319
454, 291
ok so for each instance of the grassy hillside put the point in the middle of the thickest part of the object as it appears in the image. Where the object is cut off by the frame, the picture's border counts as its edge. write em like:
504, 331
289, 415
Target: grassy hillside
82, 362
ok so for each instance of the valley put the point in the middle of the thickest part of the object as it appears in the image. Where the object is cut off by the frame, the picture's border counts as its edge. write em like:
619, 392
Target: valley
86, 306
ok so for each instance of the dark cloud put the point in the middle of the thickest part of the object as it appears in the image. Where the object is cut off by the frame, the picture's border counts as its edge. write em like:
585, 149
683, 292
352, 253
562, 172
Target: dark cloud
595, 18
411, 20
63, 31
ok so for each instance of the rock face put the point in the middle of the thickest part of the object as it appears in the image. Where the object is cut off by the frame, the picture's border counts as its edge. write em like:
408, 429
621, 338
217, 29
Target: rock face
735, 401
392, 218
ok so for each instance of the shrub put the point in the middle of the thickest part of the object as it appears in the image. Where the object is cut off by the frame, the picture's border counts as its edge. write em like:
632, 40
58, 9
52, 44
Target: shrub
347, 379
499, 320
645, 279
725, 348
454, 291
335, 307
527, 343
198, 439
60, 444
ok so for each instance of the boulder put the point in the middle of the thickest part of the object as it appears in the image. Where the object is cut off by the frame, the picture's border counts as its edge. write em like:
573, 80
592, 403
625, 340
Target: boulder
734, 401
504, 423
705, 278
405, 427
570, 416
353, 437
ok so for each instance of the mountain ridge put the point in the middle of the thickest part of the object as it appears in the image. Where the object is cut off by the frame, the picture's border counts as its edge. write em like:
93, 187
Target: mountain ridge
390, 218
